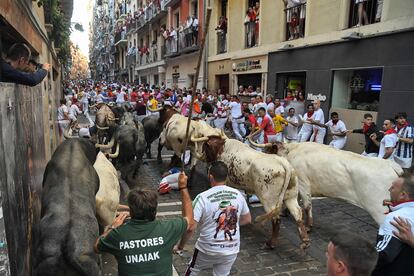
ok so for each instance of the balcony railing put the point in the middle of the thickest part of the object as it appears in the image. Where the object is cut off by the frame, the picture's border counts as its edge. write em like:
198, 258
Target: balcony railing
221, 42
295, 21
151, 13
121, 36
186, 42
365, 13
131, 59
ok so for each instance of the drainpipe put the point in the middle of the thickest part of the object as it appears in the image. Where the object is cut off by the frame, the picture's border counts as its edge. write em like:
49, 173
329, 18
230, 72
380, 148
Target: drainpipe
205, 65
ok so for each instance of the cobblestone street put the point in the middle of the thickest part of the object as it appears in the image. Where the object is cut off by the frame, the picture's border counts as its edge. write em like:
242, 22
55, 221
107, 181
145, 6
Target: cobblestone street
286, 259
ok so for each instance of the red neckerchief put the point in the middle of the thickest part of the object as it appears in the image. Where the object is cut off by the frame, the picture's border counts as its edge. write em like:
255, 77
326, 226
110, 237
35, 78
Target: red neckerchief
365, 128
390, 131
334, 123
401, 202
403, 126
310, 114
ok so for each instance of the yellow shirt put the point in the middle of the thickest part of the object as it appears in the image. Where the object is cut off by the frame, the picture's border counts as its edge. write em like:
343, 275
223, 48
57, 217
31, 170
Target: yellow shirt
153, 103
279, 123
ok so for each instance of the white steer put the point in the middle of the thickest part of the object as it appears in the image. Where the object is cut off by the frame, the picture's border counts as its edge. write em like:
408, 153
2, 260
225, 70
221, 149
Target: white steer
107, 197
325, 171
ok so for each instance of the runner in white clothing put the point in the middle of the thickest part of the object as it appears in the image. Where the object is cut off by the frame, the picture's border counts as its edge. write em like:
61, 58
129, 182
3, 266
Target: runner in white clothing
389, 142
306, 129
337, 130
291, 130
318, 118
237, 118
219, 212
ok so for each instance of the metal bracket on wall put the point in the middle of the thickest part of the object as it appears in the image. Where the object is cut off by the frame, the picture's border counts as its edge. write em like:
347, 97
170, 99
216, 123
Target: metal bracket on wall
10, 105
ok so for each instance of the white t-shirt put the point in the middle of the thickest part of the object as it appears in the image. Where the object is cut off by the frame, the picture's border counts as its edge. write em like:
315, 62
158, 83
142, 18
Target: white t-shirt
61, 111
120, 97
217, 212
270, 106
260, 105
279, 110
291, 130
338, 127
320, 117
74, 110
306, 127
235, 110
389, 141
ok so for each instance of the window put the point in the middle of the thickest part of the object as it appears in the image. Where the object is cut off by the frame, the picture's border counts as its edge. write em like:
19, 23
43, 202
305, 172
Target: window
357, 89
194, 8
294, 82
251, 23
295, 20
223, 11
364, 12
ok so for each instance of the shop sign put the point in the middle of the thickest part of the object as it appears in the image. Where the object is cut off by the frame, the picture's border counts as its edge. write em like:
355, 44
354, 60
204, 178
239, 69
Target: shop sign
312, 97
176, 75
247, 65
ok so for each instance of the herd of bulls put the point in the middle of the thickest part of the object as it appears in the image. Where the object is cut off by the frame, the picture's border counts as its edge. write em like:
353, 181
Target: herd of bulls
76, 188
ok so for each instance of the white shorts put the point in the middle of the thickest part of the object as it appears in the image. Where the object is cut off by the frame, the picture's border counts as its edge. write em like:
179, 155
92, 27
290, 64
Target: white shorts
200, 261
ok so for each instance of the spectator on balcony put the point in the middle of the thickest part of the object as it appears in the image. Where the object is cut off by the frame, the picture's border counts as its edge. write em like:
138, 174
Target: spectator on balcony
250, 22
173, 39
291, 16
378, 13
256, 10
11, 69
362, 13
222, 33
194, 27
188, 31
302, 17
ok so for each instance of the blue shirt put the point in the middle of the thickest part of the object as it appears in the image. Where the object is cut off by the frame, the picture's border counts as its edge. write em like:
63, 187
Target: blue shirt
9, 74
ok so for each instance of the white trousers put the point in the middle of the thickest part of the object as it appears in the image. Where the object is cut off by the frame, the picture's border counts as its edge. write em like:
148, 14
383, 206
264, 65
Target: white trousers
171, 180
63, 124
303, 136
238, 128
221, 264
338, 143
320, 135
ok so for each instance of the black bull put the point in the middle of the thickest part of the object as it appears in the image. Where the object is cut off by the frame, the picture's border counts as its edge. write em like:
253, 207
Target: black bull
68, 227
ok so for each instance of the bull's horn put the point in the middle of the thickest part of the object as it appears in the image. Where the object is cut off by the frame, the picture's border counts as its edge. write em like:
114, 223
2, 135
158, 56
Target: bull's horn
223, 135
202, 139
66, 133
108, 146
115, 154
259, 145
155, 110
102, 128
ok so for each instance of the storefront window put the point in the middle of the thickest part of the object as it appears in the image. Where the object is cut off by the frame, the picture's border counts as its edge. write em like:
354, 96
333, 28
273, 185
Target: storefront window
357, 89
290, 85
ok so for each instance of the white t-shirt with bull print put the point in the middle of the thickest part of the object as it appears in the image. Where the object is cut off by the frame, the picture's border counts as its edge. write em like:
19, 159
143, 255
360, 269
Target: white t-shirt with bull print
217, 212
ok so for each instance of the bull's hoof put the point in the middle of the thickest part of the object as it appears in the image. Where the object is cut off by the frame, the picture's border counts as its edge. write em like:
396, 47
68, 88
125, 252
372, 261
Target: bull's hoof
305, 244
270, 245
308, 228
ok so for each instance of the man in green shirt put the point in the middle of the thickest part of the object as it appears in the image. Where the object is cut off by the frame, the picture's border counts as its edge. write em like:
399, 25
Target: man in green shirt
144, 245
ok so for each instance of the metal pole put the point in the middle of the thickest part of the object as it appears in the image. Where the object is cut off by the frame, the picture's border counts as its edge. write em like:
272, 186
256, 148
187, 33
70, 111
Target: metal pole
195, 81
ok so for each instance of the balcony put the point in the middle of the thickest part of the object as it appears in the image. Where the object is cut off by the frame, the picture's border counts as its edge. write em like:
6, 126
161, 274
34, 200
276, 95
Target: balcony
364, 13
221, 42
151, 14
186, 43
295, 21
131, 60
170, 3
120, 38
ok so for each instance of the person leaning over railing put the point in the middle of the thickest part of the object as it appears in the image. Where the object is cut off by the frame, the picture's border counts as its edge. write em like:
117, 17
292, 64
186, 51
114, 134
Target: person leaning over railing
17, 61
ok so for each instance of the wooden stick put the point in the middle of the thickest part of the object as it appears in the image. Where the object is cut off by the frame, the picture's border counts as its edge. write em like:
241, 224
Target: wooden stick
195, 81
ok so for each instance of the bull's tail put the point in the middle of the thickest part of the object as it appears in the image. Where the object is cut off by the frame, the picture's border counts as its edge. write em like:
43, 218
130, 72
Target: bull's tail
268, 216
